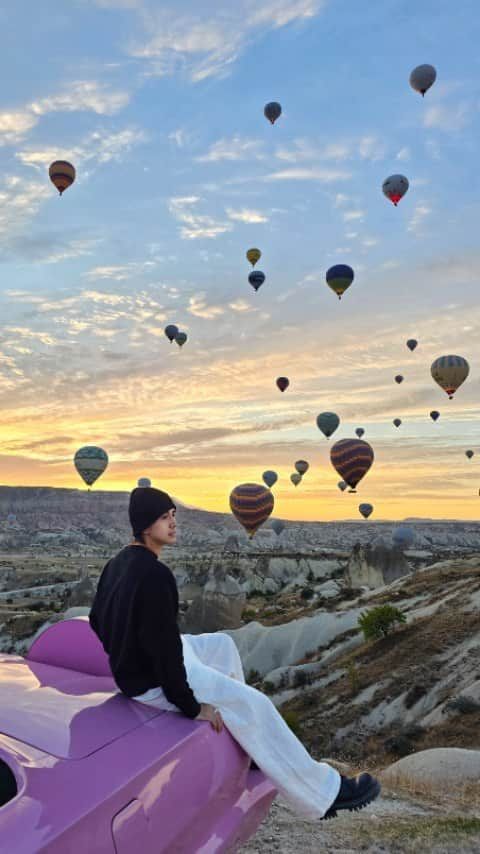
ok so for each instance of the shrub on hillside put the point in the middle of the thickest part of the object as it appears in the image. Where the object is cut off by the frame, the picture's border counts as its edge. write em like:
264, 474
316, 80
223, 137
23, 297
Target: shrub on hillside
307, 593
378, 622
291, 718
462, 705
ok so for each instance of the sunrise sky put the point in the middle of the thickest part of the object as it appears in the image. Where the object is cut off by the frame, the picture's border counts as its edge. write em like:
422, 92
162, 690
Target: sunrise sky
160, 108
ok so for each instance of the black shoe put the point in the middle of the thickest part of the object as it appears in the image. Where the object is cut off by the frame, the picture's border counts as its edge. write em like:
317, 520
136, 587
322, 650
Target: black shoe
355, 793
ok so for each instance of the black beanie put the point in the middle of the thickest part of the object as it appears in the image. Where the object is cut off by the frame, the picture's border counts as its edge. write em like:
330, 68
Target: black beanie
146, 506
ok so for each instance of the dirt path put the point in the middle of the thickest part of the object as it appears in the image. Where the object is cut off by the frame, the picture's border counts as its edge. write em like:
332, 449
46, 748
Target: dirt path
393, 824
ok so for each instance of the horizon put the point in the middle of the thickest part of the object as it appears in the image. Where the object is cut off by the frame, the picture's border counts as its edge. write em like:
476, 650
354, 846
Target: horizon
178, 174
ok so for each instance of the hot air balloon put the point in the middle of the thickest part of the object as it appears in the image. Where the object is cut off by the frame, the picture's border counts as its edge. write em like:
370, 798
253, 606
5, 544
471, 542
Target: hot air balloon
256, 279
359, 431
327, 422
272, 111
253, 255
434, 415
450, 372
395, 187
62, 175
295, 478
403, 536
339, 278
302, 467
269, 477
278, 526
411, 344
366, 510
251, 504
144, 481
469, 454
180, 338
171, 331
342, 485
90, 463
282, 383
399, 378
397, 422
352, 459
422, 77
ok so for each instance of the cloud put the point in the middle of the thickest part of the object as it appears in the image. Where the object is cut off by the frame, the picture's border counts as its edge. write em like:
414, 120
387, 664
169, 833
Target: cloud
312, 174
370, 148
403, 154
99, 146
350, 216
119, 272
447, 117
20, 200
195, 225
206, 44
233, 149
71, 249
421, 211
198, 307
306, 150
246, 215
80, 95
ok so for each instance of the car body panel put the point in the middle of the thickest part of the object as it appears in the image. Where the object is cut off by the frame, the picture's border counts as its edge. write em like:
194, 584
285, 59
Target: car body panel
115, 770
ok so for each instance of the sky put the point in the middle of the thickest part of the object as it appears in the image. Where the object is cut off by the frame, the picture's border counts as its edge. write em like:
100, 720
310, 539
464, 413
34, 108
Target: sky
160, 109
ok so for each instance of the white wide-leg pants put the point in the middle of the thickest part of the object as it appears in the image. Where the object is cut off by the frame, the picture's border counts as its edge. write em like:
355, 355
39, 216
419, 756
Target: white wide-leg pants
215, 675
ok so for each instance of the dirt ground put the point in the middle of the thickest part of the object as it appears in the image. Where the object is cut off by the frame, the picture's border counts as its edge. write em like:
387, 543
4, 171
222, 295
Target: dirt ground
393, 824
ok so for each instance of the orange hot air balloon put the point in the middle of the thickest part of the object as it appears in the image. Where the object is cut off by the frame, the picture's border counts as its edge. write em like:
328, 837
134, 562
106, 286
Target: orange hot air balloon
251, 504
62, 175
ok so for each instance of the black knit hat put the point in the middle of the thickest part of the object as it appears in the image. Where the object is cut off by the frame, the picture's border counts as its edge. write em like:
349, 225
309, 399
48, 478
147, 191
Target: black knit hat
146, 506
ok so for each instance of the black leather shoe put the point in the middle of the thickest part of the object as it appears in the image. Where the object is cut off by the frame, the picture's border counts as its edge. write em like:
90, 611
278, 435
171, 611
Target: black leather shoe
355, 793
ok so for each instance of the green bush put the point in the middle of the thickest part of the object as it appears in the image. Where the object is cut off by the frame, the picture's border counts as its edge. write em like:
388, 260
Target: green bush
252, 676
291, 718
378, 622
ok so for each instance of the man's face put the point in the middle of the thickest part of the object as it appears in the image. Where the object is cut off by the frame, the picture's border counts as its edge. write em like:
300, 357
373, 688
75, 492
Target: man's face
164, 530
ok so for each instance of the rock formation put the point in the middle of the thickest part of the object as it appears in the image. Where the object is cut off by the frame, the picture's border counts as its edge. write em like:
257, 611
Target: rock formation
374, 565
218, 606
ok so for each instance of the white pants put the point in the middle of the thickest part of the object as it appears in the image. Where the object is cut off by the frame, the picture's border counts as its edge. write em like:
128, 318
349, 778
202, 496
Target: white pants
215, 675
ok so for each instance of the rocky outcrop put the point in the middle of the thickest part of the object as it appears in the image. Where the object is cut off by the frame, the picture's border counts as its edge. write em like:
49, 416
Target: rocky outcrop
82, 593
375, 565
219, 606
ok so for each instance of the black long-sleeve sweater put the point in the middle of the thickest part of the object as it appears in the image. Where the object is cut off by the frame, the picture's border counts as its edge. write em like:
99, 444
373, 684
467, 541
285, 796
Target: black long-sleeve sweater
134, 613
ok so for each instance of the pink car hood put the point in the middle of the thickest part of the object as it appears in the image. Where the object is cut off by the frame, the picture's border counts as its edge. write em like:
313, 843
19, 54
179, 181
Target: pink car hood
63, 712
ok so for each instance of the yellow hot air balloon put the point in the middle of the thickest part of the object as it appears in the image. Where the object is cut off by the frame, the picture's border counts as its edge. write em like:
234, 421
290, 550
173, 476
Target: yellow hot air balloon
62, 174
253, 255
450, 372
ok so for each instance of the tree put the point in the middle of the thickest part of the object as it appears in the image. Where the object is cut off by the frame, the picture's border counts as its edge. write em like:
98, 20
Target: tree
380, 621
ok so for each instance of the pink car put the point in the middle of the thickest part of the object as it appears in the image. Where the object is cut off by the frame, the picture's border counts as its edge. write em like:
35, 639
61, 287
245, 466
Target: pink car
85, 770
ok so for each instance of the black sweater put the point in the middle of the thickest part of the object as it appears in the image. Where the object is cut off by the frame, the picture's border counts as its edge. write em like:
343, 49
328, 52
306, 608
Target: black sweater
134, 613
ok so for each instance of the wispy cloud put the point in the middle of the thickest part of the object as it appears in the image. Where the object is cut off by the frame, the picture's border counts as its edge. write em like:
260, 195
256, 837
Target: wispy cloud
98, 146
195, 225
208, 46
235, 148
422, 210
451, 117
80, 95
312, 174
198, 306
246, 215
350, 216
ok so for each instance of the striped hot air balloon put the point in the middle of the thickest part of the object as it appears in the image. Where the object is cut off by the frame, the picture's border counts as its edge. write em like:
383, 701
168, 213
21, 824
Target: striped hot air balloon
62, 174
450, 372
251, 504
352, 459
90, 462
